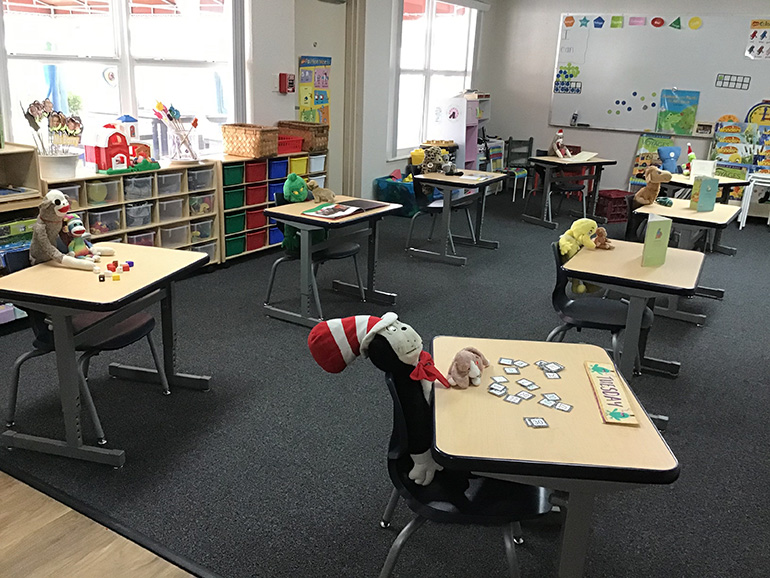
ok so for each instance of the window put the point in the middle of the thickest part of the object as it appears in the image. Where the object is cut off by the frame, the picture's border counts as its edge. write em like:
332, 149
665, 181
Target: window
434, 63
99, 59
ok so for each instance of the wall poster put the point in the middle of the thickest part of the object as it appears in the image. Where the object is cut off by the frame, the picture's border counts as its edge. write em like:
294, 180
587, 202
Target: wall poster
314, 88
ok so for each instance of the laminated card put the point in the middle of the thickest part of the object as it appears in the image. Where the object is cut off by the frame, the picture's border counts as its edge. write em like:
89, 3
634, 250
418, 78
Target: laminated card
611, 394
656, 241
704, 193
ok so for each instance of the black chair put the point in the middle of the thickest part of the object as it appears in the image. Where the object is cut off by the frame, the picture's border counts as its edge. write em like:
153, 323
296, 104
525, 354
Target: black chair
340, 250
517, 165
427, 206
121, 334
561, 189
636, 224
454, 497
592, 313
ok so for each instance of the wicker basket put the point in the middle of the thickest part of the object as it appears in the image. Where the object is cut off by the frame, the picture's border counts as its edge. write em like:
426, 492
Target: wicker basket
250, 140
315, 135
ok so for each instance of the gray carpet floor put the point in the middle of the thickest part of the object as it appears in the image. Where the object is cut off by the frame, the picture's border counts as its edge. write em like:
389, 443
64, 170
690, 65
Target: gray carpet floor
279, 470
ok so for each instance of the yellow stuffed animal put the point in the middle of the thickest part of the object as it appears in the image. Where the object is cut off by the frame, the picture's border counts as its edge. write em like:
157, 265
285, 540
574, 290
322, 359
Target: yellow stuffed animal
578, 236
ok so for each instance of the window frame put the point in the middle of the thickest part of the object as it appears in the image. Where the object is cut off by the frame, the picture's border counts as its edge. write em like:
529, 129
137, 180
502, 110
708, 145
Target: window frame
126, 64
393, 152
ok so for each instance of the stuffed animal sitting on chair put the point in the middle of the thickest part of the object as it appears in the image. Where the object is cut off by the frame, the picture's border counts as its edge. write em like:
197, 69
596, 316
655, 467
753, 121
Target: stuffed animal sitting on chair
574, 239
654, 177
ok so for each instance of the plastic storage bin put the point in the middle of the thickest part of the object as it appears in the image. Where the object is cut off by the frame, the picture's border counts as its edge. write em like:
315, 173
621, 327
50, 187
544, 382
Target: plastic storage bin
138, 215
255, 240
256, 172
171, 209
209, 248
298, 165
100, 192
255, 219
289, 144
169, 183
275, 236
201, 204
612, 204
136, 188
277, 168
232, 174
390, 191
200, 230
147, 239
235, 245
171, 237
234, 198
200, 179
316, 163
72, 192
100, 222
274, 189
320, 180
118, 239
235, 222
7, 313
256, 194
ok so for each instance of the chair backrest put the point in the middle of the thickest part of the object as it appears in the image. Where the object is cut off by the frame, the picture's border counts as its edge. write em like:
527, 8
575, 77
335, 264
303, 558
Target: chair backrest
559, 296
634, 223
517, 152
16, 260
399, 438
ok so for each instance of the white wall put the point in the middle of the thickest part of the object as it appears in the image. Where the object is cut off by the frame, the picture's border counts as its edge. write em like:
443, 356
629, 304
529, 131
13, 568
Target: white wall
320, 31
269, 50
518, 52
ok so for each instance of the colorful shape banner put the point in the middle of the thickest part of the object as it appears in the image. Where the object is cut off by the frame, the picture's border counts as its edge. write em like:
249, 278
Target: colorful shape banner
314, 88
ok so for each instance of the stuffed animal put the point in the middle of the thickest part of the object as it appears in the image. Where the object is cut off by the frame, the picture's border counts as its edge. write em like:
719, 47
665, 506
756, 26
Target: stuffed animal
447, 166
654, 177
690, 158
433, 160
295, 188
601, 241
79, 247
320, 195
557, 148
669, 156
45, 232
466, 368
396, 348
575, 238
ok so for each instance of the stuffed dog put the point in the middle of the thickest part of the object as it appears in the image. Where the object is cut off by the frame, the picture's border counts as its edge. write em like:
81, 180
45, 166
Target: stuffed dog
466, 368
654, 177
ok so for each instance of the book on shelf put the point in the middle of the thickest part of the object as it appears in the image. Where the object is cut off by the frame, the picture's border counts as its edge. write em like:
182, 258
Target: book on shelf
342, 209
704, 193
656, 241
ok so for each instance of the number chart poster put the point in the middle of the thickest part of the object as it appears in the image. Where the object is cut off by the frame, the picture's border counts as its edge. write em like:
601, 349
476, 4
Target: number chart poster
314, 93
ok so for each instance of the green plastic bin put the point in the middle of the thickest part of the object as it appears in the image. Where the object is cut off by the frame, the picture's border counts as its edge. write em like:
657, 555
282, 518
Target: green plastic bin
232, 174
235, 222
235, 245
234, 198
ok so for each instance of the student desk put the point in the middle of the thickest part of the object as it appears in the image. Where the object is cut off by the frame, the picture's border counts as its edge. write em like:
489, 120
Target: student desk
725, 184
621, 270
578, 453
691, 222
475, 180
357, 224
61, 293
550, 166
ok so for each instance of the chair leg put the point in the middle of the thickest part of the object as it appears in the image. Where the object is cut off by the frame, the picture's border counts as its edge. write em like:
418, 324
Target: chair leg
616, 347
398, 543
11, 415
360, 280
518, 534
314, 287
470, 225
85, 393
158, 365
411, 228
510, 551
273, 270
432, 227
561, 329
387, 516
451, 242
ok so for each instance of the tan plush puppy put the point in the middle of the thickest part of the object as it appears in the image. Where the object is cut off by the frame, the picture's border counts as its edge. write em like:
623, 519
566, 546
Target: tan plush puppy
320, 195
654, 177
466, 368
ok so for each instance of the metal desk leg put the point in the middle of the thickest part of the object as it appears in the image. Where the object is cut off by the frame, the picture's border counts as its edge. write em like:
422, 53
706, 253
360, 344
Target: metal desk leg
370, 290
147, 375
442, 257
631, 336
719, 247
575, 534
542, 220
478, 241
672, 311
67, 368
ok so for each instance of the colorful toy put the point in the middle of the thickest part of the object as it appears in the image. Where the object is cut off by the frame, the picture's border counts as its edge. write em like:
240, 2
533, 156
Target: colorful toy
665, 201
79, 247
690, 158
295, 188
116, 276
574, 239
395, 348
601, 241
466, 368
432, 160
669, 156
101, 278
654, 177
320, 195
110, 150
557, 148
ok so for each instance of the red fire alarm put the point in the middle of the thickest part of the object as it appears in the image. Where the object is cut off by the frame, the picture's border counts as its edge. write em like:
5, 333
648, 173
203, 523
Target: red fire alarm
285, 82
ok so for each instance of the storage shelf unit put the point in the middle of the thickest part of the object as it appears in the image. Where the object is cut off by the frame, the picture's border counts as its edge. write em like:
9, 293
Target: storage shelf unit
164, 208
249, 186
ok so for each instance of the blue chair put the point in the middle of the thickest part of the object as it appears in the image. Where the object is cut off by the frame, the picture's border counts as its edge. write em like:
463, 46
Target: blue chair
517, 166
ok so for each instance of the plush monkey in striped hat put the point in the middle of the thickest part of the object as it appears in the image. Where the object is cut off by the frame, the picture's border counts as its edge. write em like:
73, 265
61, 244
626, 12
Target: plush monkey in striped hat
396, 348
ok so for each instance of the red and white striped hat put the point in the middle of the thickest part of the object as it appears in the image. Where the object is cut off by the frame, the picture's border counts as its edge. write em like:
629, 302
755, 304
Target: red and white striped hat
336, 343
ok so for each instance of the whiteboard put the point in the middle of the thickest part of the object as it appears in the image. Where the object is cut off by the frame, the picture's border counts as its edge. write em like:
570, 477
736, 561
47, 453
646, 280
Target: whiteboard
621, 72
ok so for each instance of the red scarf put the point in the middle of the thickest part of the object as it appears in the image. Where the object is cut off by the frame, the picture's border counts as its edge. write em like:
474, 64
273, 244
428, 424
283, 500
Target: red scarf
426, 369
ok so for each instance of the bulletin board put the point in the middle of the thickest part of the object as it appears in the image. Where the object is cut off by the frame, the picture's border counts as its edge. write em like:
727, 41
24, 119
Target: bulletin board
614, 69
314, 88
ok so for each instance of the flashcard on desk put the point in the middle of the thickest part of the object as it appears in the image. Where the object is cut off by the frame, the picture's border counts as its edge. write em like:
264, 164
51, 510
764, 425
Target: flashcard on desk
497, 386
525, 395
505, 361
563, 406
499, 379
535, 422
512, 399
520, 363
553, 366
524, 382
552, 396
511, 370
547, 402
540, 363
552, 375
498, 392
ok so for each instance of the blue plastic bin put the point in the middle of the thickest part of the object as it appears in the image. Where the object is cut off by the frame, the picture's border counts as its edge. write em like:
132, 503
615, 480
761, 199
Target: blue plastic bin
275, 236
390, 191
277, 168
274, 189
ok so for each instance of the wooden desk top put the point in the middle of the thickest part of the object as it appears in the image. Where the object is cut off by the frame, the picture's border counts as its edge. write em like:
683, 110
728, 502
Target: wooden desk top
52, 284
468, 180
680, 211
293, 212
481, 432
623, 266
548, 160
683, 181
